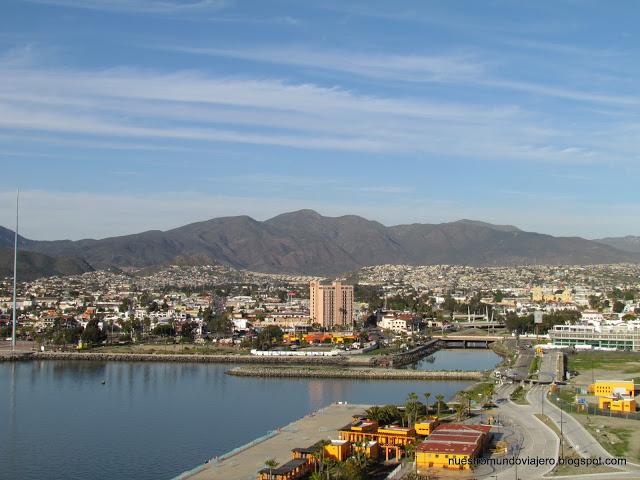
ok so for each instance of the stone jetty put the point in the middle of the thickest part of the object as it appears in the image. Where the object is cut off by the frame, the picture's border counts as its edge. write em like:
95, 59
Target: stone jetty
354, 373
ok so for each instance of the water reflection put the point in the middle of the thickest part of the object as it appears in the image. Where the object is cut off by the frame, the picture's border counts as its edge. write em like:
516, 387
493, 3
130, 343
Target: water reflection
458, 359
157, 420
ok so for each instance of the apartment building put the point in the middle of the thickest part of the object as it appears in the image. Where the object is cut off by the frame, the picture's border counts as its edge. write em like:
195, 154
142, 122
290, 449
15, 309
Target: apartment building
331, 304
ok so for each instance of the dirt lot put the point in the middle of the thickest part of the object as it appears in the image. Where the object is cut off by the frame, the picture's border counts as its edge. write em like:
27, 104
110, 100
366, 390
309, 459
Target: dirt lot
619, 436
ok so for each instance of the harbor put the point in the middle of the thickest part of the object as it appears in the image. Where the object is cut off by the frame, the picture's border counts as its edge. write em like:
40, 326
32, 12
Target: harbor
243, 462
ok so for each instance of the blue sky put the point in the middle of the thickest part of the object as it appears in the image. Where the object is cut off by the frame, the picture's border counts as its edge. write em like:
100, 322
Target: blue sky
119, 116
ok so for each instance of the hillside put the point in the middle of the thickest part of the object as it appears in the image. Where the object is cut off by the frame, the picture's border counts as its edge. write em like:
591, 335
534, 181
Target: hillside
307, 242
32, 265
630, 243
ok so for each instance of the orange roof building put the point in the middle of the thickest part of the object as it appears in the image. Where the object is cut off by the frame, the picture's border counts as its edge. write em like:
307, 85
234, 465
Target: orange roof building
452, 446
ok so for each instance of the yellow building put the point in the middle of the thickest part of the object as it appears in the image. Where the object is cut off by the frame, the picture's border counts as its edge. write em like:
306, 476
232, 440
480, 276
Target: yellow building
292, 470
425, 426
338, 450
371, 449
452, 446
607, 388
538, 294
617, 404
391, 438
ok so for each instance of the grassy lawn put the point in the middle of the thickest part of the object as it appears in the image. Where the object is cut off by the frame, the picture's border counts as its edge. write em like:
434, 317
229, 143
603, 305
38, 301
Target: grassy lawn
535, 365
518, 396
478, 388
567, 395
584, 361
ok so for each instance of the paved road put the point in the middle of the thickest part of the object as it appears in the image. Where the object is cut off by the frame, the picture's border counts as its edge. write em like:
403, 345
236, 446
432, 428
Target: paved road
547, 371
537, 440
581, 440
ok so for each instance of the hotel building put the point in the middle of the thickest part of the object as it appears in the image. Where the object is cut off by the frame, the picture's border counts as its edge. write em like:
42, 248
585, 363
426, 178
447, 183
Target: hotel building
331, 305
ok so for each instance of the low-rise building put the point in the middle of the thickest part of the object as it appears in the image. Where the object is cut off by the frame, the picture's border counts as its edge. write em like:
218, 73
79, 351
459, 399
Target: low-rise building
452, 446
607, 388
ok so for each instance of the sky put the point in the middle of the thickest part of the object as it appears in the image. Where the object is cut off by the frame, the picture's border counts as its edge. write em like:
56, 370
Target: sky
120, 116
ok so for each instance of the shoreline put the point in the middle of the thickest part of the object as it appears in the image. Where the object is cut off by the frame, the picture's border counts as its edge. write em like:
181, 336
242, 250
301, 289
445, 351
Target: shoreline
353, 373
244, 461
171, 358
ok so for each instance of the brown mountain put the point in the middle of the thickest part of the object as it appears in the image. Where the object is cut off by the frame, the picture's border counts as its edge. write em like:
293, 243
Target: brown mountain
32, 265
307, 242
629, 243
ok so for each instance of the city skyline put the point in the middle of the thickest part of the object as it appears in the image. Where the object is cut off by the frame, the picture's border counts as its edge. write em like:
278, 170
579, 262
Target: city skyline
120, 117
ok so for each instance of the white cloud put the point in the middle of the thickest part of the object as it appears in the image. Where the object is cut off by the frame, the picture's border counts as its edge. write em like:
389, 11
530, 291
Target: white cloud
461, 69
193, 107
416, 68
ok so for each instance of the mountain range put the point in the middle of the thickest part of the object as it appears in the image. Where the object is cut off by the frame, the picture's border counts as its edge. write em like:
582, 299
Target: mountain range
630, 243
307, 242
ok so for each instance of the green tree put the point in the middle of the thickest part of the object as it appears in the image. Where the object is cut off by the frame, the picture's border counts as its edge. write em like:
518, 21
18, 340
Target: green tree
618, 306
92, 334
270, 463
219, 324
412, 408
164, 330
439, 403
427, 396
125, 305
268, 337
449, 304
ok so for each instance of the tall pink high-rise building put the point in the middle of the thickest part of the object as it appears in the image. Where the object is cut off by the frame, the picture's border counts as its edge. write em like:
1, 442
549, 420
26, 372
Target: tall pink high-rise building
331, 305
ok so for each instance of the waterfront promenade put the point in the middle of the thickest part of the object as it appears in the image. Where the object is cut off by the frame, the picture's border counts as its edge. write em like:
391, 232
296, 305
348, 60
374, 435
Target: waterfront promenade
304, 432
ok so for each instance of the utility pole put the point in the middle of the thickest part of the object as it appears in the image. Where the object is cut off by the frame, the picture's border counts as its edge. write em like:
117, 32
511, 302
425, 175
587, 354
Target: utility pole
561, 434
15, 273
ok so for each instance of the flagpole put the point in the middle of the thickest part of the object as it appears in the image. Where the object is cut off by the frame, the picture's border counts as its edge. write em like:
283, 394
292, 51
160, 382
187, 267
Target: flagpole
15, 272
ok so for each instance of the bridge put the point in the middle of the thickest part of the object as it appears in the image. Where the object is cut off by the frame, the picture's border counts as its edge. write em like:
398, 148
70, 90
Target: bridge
467, 341
480, 324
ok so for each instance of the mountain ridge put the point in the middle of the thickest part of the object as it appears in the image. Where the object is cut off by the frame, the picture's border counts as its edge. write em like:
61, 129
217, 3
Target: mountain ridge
305, 241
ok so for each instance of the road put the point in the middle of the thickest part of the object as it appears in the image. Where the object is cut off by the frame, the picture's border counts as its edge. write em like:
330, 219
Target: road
547, 371
574, 432
535, 438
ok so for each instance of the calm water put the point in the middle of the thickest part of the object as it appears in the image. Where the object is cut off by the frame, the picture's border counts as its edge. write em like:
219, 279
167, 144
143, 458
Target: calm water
459, 359
154, 421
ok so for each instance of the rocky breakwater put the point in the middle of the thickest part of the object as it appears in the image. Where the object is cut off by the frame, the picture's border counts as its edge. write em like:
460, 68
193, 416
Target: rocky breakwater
357, 373
413, 355
186, 358
9, 356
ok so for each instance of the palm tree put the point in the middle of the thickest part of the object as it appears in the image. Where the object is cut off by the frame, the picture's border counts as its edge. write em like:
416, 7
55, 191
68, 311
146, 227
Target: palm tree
411, 407
439, 399
318, 453
374, 413
466, 396
315, 476
270, 463
427, 396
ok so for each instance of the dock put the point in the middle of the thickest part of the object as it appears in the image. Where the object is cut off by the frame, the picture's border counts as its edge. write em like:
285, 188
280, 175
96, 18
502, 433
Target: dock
243, 463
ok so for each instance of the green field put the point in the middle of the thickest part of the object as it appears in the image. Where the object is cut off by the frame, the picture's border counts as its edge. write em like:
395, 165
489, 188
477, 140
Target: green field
624, 361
